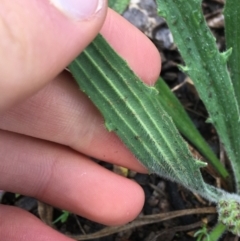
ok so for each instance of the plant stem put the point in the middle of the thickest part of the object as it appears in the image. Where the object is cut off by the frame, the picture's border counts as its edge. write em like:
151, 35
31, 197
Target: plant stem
216, 233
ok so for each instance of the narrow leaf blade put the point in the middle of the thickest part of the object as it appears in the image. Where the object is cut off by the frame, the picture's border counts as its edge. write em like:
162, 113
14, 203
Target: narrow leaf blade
185, 125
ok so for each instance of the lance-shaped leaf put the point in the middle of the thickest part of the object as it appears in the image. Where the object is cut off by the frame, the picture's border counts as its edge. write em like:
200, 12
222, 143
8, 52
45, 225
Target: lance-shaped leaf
131, 110
232, 32
208, 70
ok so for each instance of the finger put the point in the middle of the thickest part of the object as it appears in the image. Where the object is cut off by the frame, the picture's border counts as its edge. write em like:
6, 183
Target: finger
140, 53
18, 225
59, 176
76, 123
38, 41
61, 113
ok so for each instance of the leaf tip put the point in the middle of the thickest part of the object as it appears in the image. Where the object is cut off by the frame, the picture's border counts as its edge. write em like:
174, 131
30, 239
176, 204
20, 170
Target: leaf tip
109, 125
200, 164
225, 55
184, 69
209, 120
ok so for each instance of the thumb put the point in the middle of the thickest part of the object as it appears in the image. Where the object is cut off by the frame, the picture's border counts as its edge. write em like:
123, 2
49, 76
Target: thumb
39, 39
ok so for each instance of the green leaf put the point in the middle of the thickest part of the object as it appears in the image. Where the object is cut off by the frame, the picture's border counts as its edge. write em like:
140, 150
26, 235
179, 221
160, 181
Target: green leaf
185, 125
118, 5
131, 110
200, 234
216, 233
207, 69
63, 217
232, 32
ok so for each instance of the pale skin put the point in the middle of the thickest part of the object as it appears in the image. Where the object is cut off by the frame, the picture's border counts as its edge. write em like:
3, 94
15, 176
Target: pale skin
49, 130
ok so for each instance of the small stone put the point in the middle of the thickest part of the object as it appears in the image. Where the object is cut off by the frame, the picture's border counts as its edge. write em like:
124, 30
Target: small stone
153, 201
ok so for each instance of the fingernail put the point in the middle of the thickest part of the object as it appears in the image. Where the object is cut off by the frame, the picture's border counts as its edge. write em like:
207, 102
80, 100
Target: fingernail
78, 9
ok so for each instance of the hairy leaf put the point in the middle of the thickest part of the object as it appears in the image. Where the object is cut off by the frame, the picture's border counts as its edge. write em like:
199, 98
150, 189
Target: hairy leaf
131, 110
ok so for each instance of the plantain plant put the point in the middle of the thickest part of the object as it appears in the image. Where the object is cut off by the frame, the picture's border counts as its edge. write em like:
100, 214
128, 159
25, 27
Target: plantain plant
147, 125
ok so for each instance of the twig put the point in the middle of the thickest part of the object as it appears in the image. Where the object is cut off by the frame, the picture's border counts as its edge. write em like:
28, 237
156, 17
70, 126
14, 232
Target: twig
182, 228
149, 219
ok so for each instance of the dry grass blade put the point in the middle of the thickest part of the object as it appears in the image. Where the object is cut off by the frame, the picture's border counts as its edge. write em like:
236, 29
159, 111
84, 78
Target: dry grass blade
45, 212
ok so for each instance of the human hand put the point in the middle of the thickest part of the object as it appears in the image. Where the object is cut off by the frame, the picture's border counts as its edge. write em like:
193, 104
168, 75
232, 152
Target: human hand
47, 139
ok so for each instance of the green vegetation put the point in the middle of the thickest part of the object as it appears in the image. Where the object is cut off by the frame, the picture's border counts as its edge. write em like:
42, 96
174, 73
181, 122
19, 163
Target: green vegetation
146, 124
